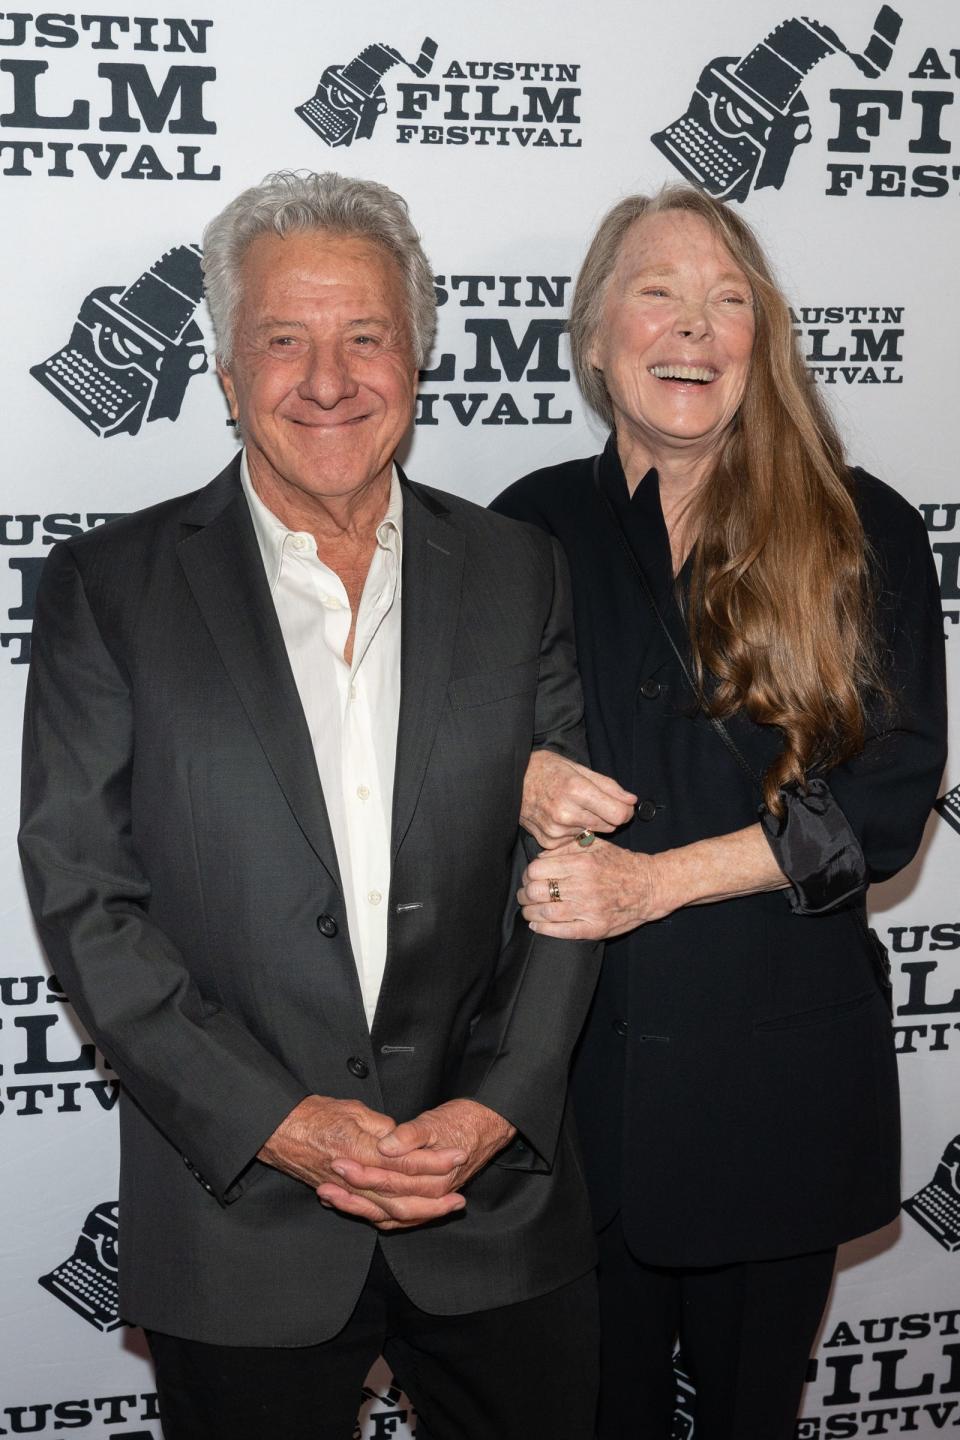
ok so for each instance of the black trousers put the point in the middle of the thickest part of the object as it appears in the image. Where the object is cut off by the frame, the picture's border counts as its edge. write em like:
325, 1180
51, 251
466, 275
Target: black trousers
514, 1373
745, 1333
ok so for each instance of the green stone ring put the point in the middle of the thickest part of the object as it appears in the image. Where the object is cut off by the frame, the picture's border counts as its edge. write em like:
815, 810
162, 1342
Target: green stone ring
585, 839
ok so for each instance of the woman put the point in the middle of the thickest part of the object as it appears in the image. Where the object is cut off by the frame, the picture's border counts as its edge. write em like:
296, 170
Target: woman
736, 1083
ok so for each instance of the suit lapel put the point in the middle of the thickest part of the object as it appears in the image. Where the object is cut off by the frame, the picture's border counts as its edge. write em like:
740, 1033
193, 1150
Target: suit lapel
433, 554
224, 569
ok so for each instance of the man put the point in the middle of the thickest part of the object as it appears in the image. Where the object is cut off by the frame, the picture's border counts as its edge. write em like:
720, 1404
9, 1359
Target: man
276, 735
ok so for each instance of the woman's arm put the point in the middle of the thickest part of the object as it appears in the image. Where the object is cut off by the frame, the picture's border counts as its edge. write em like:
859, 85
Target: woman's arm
606, 891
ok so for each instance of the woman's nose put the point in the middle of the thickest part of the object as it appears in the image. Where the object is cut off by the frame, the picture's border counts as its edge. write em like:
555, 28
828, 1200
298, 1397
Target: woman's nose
693, 320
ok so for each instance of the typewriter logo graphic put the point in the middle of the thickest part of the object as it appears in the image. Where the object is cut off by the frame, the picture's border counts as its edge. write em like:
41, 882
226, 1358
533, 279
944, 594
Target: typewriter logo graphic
949, 807
87, 1281
350, 98
132, 352
937, 1206
747, 116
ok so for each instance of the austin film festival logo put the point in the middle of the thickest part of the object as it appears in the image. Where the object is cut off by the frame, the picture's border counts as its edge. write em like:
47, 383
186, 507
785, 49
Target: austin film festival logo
943, 526
884, 1375
501, 360
851, 344
747, 116
928, 1008
132, 351
470, 102
141, 85
48, 1066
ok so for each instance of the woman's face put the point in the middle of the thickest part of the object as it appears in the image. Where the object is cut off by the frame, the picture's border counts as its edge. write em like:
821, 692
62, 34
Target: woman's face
676, 335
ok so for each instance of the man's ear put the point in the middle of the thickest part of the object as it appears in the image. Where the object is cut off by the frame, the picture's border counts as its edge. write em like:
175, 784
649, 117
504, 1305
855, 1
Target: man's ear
229, 389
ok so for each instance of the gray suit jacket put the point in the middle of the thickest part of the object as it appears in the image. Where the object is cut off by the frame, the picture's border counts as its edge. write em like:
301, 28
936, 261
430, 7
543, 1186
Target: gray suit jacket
181, 868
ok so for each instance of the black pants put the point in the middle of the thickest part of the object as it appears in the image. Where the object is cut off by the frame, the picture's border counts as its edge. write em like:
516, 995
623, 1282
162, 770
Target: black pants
745, 1332
515, 1373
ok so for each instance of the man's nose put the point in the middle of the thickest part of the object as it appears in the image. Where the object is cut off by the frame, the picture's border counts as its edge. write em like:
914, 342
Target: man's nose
327, 378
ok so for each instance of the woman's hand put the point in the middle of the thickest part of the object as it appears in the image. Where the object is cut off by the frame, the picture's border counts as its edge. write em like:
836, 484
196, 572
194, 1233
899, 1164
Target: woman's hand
561, 799
602, 891
590, 894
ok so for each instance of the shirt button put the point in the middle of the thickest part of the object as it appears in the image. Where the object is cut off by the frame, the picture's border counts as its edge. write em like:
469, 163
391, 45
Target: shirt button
647, 809
353, 692
299, 542
358, 1067
374, 897
650, 689
330, 602
327, 926
363, 792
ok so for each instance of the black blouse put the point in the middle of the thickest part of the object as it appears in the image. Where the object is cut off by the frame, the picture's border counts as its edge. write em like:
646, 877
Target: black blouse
672, 1048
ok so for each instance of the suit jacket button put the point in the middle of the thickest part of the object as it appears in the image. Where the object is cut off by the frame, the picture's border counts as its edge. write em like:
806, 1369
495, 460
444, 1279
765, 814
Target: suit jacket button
358, 1067
620, 1027
650, 689
646, 809
327, 926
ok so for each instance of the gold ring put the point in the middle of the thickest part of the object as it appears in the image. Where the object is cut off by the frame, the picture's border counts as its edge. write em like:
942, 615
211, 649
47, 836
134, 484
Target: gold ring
585, 839
554, 887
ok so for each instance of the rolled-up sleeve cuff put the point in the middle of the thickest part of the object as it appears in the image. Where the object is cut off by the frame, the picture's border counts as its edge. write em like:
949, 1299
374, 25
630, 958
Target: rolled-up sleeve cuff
816, 849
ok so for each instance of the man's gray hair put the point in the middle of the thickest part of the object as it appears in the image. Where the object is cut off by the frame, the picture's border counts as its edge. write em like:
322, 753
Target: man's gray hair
295, 201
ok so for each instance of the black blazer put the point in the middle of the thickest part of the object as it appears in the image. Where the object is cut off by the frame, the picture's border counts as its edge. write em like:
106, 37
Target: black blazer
736, 1084
183, 875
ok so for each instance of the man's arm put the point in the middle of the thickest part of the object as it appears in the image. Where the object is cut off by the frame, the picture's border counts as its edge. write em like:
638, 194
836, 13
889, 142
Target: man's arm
206, 1082
516, 1061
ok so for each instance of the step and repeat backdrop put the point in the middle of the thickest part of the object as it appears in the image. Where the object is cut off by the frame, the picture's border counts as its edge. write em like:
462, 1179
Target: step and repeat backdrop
510, 129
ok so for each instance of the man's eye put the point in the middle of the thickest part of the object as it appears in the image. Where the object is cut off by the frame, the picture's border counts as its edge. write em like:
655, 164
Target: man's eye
657, 291
282, 340
735, 300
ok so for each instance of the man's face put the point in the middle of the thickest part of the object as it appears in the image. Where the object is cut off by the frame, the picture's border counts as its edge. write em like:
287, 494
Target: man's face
322, 378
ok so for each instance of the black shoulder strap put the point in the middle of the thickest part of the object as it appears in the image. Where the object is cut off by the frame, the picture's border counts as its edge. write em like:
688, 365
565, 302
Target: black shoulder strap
637, 568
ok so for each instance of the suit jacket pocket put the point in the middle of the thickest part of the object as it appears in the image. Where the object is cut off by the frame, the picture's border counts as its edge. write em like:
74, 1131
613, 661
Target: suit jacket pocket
493, 685
819, 1015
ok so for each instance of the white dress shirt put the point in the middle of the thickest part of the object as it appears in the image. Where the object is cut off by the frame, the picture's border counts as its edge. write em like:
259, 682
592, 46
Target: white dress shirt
352, 710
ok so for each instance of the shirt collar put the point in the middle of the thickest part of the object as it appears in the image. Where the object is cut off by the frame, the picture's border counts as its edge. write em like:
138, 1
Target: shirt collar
641, 519
272, 535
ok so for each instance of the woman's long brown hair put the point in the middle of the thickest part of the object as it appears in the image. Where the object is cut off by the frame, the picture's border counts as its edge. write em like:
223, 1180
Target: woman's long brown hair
780, 610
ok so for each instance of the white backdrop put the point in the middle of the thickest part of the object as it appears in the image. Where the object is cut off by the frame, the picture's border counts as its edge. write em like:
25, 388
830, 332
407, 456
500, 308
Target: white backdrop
119, 137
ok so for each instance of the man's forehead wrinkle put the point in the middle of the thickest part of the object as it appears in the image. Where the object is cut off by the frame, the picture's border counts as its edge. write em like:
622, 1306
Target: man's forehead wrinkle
270, 322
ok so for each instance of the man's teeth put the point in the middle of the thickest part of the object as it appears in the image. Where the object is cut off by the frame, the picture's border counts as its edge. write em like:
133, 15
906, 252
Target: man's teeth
683, 372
